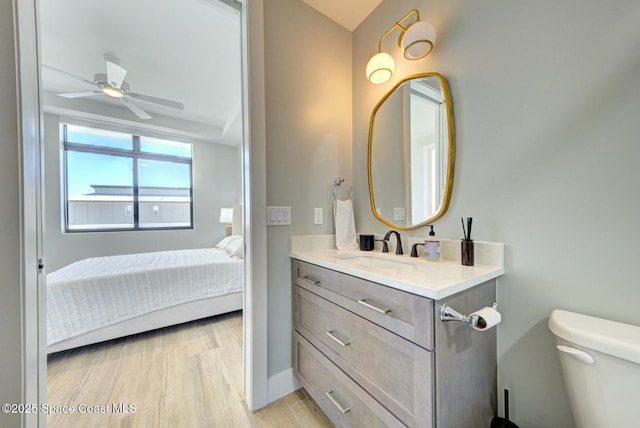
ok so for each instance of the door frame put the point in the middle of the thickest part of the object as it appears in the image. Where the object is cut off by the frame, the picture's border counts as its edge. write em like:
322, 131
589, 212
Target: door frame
33, 310
255, 205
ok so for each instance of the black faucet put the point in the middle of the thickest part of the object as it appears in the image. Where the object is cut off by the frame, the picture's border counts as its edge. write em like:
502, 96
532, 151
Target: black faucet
414, 249
385, 245
398, 242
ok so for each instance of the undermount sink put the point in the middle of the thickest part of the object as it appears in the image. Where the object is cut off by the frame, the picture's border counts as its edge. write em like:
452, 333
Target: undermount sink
376, 260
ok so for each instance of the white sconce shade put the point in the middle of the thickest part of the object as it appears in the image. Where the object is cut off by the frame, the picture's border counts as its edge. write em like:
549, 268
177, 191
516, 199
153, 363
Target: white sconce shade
226, 215
418, 40
380, 68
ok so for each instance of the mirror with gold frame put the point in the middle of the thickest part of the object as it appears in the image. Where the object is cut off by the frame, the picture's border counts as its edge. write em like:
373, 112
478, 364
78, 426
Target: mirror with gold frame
412, 152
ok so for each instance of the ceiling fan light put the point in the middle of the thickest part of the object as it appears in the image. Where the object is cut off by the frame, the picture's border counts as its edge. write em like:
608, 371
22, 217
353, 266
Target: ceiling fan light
418, 40
112, 92
380, 68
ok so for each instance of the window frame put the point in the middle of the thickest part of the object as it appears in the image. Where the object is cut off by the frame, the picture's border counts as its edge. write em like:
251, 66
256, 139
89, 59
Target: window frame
135, 154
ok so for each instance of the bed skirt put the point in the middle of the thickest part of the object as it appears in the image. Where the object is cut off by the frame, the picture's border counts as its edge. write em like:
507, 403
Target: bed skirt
165, 317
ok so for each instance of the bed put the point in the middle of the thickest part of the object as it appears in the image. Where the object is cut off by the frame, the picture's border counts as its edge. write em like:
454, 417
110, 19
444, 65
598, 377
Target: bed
103, 298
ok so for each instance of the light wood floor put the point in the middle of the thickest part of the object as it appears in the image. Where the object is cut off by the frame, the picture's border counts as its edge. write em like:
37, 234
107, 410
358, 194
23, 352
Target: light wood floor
183, 376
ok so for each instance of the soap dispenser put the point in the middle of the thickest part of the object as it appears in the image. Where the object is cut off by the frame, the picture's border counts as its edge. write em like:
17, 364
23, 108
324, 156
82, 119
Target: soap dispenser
432, 246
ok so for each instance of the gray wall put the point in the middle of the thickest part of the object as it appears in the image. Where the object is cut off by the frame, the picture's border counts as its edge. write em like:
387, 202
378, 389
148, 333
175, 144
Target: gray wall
10, 303
546, 100
216, 184
308, 137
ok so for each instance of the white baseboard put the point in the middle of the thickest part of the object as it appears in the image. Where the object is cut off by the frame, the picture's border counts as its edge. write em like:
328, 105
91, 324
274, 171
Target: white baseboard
281, 384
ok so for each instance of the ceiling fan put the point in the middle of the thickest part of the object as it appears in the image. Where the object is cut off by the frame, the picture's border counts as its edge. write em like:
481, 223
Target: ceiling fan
113, 85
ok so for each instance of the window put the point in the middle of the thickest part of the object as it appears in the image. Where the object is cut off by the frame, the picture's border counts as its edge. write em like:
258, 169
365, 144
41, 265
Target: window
120, 181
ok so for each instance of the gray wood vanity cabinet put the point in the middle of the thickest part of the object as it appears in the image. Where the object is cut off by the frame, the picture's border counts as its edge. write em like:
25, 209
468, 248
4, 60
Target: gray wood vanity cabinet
371, 355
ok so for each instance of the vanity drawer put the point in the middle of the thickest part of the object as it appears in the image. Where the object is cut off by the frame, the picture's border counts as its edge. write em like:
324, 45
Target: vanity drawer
405, 314
344, 402
393, 370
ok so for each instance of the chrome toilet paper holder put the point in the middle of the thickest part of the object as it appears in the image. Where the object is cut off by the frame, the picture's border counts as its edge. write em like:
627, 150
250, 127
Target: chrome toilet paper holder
447, 313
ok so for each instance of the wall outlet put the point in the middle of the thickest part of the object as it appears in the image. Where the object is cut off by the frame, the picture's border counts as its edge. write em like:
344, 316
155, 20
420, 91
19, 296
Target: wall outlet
317, 216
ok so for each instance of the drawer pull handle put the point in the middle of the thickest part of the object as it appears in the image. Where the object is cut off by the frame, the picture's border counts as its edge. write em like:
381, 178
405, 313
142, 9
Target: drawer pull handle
311, 280
335, 403
340, 342
363, 302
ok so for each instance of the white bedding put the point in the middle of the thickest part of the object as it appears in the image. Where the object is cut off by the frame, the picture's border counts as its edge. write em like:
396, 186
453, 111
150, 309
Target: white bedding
97, 292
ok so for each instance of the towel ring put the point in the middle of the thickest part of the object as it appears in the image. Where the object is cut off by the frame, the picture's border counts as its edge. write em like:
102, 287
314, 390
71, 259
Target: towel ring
336, 188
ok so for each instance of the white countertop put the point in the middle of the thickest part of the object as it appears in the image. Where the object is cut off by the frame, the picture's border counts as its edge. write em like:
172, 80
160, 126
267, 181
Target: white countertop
435, 280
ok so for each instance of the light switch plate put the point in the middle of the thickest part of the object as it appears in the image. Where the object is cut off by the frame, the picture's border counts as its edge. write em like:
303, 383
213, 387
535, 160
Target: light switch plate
278, 216
398, 213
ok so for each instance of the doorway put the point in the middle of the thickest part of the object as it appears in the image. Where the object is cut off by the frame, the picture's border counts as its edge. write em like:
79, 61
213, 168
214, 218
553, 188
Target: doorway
24, 12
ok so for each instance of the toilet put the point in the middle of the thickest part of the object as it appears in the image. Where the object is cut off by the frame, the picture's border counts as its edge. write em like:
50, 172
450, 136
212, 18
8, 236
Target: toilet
600, 362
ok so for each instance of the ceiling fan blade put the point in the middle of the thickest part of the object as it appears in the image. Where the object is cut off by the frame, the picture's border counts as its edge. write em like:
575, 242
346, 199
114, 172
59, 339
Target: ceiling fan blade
115, 74
48, 67
79, 94
162, 101
134, 108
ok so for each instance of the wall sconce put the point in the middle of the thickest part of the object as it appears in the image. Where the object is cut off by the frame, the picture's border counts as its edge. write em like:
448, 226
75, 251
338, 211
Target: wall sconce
416, 41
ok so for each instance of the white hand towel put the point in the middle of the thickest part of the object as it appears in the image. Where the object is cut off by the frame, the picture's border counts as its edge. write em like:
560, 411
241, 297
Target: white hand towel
345, 226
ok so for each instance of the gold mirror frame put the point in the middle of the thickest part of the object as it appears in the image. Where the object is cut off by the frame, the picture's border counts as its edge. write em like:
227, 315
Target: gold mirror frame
451, 151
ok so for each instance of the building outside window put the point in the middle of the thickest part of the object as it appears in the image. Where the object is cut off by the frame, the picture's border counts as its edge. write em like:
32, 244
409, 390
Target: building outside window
122, 181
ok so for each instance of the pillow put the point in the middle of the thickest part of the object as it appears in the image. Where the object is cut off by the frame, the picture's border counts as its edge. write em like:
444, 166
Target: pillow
236, 248
224, 244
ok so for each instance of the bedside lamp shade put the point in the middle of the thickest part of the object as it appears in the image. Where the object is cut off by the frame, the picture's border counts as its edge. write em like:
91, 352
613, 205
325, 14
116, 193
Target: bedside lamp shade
226, 215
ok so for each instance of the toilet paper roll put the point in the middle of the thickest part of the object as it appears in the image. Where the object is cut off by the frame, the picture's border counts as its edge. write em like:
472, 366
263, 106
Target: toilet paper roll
487, 318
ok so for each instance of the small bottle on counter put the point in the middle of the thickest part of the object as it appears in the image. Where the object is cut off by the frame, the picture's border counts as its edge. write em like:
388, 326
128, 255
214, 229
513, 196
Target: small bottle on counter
432, 246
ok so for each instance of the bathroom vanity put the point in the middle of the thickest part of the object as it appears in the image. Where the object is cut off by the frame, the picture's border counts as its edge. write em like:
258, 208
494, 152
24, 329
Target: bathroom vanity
370, 348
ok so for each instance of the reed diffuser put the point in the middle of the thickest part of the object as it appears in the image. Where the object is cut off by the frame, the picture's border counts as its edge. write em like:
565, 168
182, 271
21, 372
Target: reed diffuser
466, 246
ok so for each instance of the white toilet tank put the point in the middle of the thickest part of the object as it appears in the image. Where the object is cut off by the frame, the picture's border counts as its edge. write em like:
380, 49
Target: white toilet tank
600, 362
